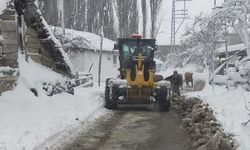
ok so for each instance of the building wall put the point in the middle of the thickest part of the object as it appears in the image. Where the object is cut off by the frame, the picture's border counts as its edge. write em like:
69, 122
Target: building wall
82, 61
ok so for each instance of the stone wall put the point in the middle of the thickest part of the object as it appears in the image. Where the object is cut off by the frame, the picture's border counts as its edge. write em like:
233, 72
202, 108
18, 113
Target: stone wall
8, 50
36, 51
8, 53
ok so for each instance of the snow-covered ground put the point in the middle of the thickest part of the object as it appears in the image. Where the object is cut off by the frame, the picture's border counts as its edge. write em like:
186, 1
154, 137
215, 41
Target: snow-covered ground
229, 106
230, 109
3, 5
27, 121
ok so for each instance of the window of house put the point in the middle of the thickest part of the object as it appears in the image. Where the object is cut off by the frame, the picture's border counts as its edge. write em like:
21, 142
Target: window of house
114, 59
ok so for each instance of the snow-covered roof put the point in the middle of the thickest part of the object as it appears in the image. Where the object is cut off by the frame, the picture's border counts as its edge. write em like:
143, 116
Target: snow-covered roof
84, 40
231, 48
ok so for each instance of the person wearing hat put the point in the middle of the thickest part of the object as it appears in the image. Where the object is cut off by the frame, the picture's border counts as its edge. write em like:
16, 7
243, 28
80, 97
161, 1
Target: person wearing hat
176, 82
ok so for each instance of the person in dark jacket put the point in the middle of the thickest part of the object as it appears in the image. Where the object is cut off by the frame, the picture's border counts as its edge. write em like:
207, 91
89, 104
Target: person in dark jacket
176, 82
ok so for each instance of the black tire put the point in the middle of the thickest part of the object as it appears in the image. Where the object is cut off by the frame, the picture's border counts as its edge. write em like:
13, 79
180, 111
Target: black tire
163, 100
110, 102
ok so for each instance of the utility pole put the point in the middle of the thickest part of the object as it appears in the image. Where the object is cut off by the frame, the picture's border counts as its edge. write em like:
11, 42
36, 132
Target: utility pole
100, 59
177, 15
173, 28
101, 47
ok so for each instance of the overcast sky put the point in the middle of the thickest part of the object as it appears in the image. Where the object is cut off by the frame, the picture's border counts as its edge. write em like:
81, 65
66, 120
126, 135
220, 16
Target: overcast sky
194, 7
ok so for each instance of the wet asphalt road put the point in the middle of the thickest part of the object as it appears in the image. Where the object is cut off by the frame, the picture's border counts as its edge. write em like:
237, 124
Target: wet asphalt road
134, 129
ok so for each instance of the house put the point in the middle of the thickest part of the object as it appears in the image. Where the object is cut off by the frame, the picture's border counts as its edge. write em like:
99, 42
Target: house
84, 51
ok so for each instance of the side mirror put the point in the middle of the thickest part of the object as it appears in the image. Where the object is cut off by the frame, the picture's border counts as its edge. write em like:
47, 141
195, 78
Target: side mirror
115, 46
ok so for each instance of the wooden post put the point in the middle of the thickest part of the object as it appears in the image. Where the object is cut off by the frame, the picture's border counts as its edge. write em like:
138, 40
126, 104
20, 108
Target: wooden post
100, 61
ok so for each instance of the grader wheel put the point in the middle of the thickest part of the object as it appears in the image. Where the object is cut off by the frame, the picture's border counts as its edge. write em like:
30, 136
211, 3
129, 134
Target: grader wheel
163, 100
110, 100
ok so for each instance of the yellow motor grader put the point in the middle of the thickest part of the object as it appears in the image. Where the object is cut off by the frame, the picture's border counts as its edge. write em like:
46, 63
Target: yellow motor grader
137, 82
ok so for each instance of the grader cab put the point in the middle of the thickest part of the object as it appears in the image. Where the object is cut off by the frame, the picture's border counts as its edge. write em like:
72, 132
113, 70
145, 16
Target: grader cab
137, 82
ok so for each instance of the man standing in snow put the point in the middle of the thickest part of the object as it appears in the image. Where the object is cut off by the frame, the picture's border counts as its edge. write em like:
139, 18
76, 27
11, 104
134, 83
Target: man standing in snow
176, 82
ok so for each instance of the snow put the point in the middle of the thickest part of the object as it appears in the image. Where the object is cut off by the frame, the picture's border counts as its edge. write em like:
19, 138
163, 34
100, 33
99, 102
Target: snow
26, 121
2, 41
3, 5
200, 76
228, 105
32, 75
158, 61
229, 109
86, 40
4, 70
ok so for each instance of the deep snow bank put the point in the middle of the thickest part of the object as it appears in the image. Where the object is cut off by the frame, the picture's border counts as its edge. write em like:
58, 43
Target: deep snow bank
27, 121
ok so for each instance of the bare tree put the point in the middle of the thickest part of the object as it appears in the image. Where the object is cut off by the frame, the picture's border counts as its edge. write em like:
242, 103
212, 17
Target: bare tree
90, 15
133, 18
49, 10
80, 15
154, 9
144, 17
127, 16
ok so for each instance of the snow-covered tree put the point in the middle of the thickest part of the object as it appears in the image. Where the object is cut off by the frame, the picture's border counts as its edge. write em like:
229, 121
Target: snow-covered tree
200, 38
237, 14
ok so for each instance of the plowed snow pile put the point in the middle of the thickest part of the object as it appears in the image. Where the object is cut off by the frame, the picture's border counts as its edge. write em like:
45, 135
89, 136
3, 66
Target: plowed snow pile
229, 108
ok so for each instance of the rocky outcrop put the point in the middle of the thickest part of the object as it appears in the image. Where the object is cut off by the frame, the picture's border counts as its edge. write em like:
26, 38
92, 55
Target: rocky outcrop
205, 131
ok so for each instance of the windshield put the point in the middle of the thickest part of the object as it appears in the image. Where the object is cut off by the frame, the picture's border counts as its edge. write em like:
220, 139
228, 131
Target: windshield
131, 48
